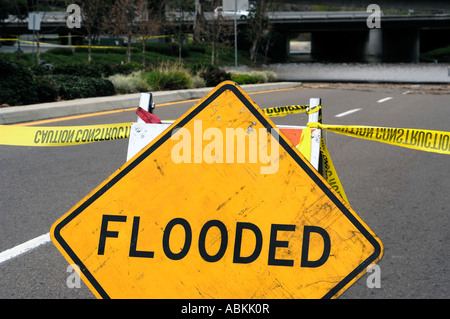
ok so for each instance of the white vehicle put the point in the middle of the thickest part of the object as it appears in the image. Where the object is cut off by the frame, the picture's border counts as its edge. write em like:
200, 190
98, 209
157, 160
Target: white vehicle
229, 14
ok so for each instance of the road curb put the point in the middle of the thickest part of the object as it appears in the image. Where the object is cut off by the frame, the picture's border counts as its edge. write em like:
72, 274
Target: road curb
43, 111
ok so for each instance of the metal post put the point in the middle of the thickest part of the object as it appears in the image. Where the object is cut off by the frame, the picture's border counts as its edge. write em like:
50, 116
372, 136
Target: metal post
316, 117
146, 102
34, 34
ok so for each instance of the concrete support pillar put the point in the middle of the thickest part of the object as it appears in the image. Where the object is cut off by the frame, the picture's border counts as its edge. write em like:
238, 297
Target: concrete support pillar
401, 45
374, 46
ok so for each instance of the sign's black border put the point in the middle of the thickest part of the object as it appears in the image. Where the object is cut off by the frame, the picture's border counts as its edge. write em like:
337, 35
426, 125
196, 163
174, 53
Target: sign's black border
313, 175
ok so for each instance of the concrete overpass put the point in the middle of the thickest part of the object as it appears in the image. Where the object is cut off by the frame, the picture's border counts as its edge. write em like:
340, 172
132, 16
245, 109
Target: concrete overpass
345, 36
335, 35
391, 4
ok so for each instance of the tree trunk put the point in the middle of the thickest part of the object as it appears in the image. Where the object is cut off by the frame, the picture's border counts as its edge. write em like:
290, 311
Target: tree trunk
129, 49
38, 49
213, 52
144, 42
199, 20
89, 47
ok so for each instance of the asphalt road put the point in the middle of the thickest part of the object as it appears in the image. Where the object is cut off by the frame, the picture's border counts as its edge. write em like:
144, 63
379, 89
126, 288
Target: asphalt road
401, 194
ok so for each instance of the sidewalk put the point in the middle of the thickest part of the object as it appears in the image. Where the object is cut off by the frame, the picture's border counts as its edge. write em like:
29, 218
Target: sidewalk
420, 73
35, 112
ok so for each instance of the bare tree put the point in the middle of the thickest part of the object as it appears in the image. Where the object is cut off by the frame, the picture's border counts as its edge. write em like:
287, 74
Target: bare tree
147, 24
218, 32
35, 8
92, 12
258, 26
199, 21
121, 20
158, 12
177, 21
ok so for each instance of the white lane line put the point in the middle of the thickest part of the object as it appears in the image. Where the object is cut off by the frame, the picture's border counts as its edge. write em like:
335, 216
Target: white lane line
385, 99
347, 113
23, 248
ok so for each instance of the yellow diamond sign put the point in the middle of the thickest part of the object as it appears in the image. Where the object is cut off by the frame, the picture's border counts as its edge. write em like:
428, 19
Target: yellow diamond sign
220, 205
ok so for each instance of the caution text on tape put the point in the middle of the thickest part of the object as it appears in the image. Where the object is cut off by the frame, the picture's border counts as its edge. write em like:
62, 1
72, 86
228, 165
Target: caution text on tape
73, 135
423, 140
62, 135
285, 110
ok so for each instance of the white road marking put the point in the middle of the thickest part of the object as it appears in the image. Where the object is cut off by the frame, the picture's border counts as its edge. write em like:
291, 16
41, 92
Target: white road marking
23, 248
347, 113
385, 99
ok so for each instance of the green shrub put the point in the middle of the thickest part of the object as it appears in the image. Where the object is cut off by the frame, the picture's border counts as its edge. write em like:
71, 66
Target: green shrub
96, 69
172, 80
215, 77
132, 83
169, 77
73, 87
37, 69
196, 68
76, 87
117, 50
198, 81
83, 69
103, 87
252, 77
61, 51
104, 68
167, 49
197, 48
244, 79
126, 68
17, 84
264, 76
46, 89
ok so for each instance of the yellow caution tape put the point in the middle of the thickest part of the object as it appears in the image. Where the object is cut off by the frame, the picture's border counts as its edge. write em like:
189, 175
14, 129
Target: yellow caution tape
62, 135
304, 146
285, 110
74, 135
315, 109
332, 177
422, 140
